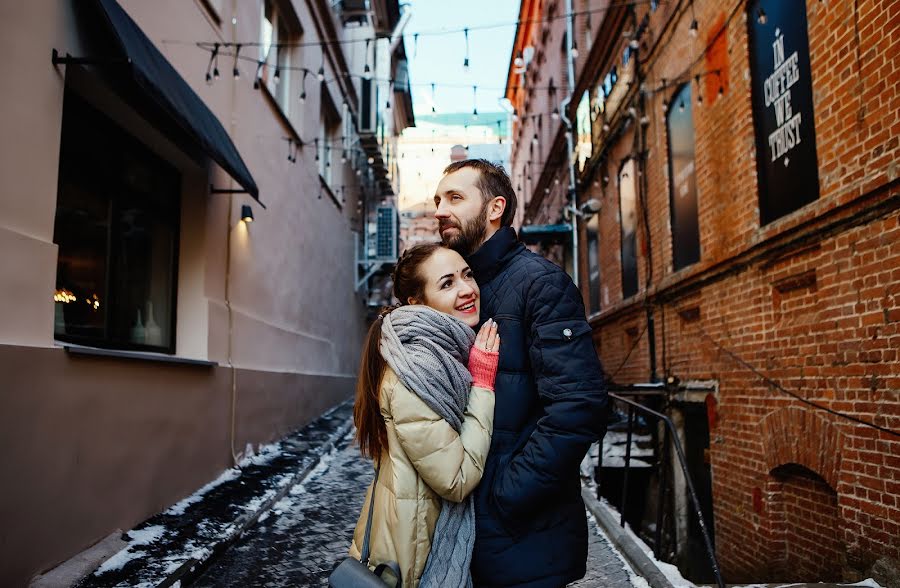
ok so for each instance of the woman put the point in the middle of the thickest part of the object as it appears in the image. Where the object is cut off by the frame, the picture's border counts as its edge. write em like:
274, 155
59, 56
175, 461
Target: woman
426, 419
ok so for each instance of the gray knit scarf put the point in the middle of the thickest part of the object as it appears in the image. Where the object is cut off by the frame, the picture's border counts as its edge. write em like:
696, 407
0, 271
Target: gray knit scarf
429, 350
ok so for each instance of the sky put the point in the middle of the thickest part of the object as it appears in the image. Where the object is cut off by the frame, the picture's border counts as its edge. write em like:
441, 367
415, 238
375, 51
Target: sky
438, 58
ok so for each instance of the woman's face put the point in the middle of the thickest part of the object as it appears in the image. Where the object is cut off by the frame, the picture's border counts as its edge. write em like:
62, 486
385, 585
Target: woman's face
450, 286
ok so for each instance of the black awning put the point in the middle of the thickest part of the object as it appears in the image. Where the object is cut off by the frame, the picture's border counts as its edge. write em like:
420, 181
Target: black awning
546, 234
158, 79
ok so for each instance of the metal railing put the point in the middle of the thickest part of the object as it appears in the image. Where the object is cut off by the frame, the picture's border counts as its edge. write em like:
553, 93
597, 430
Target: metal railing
670, 435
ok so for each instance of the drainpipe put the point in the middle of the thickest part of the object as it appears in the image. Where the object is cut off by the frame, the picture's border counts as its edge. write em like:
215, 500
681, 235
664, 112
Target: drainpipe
563, 113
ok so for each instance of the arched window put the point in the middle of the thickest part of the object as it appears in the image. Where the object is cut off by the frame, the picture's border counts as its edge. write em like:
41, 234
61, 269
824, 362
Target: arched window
682, 181
628, 222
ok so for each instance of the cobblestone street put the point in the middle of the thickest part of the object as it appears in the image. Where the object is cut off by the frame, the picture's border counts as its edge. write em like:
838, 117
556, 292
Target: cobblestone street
305, 534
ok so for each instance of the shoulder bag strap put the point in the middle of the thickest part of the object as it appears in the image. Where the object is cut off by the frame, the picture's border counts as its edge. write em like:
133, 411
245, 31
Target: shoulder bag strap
365, 550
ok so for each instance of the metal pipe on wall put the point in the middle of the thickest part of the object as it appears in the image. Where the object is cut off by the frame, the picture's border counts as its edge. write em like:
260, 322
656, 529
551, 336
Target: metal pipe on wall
563, 112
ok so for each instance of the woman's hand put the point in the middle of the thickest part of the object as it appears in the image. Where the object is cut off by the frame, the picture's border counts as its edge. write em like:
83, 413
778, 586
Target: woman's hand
488, 338
485, 355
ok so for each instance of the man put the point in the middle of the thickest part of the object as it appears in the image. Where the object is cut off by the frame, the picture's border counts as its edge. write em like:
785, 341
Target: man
531, 528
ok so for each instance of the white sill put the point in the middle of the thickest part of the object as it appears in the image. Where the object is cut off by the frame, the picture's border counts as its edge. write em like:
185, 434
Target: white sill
84, 350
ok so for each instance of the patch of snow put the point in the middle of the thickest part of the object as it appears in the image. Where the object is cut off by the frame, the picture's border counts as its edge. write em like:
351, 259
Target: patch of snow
282, 505
635, 580
179, 508
119, 560
868, 582
145, 536
138, 537
263, 455
263, 517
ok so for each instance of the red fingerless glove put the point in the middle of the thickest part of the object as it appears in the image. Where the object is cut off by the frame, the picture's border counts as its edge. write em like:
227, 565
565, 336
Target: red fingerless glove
483, 366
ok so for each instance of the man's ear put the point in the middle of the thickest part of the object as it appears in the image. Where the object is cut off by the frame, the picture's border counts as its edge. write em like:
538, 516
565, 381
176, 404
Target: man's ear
498, 205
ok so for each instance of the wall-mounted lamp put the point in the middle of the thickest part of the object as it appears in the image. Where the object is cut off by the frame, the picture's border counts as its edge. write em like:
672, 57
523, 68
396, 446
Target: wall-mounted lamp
246, 213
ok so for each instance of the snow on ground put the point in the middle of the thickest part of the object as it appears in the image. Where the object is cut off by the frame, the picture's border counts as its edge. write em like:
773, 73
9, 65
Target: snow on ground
138, 538
615, 445
671, 572
179, 508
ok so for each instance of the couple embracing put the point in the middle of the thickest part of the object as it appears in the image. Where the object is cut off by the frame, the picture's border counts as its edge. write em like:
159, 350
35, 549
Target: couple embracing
477, 439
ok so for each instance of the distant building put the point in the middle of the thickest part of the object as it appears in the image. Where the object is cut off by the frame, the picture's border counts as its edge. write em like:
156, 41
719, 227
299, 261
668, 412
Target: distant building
425, 150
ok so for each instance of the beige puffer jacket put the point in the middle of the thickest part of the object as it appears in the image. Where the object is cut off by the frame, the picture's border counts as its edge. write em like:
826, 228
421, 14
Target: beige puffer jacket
426, 460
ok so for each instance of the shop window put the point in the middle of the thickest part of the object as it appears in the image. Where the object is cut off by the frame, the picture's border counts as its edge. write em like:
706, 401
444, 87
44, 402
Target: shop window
593, 258
682, 181
117, 225
628, 222
277, 32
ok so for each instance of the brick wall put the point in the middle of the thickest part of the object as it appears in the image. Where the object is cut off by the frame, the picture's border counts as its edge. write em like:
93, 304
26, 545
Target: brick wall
811, 300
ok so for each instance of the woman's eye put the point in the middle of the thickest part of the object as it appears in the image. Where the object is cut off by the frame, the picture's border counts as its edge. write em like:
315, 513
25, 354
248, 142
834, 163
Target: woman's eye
446, 285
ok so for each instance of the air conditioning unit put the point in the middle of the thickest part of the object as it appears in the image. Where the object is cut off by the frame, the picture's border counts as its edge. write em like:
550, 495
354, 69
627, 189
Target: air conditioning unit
368, 107
386, 234
353, 11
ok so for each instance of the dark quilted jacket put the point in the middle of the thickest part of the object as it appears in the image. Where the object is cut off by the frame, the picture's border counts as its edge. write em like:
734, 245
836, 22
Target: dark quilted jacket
550, 406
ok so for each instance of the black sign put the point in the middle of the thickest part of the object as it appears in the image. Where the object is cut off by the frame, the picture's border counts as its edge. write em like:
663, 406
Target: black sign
782, 107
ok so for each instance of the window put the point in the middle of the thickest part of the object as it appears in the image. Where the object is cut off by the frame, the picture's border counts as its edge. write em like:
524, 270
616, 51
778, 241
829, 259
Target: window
593, 257
117, 231
628, 222
330, 145
682, 181
276, 31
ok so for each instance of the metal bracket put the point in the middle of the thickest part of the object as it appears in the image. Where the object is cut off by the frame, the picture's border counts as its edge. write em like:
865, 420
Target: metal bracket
214, 190
69, 60
369, 273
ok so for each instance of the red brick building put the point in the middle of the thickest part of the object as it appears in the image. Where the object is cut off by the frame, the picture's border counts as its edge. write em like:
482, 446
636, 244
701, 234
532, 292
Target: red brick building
745, 154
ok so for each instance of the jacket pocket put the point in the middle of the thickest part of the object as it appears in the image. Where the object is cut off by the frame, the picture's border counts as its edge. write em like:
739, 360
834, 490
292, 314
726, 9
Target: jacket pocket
561, 352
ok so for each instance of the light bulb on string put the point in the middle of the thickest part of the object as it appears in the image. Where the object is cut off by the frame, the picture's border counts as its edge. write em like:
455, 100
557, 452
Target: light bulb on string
466, 59
235, 71
695, 26
761, 17
303, 87
432, 100
213, 59
555, 114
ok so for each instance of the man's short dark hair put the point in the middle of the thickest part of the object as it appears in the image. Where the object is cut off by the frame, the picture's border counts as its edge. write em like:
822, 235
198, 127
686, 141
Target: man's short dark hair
493, 181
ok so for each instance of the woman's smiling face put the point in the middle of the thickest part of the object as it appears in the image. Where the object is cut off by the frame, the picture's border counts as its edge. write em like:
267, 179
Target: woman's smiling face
450, 286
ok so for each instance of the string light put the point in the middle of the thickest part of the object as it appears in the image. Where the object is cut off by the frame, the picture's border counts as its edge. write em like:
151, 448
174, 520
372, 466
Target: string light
432, 99
257, 77
699, 91
475, 101
213, 62
235, 71
303, 88
466, 59
761, 17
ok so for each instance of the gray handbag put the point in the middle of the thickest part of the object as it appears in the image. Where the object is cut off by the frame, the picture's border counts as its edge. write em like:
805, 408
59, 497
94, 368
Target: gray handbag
355, 573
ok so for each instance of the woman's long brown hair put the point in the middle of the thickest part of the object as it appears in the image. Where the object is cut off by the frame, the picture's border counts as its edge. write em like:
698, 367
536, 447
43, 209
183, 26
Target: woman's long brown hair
371, 432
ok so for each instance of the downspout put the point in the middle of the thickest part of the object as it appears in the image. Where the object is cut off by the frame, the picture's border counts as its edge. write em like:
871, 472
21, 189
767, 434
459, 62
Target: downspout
641, 122
563, 113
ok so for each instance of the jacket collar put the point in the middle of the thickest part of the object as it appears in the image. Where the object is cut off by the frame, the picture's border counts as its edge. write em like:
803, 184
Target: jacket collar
494, 254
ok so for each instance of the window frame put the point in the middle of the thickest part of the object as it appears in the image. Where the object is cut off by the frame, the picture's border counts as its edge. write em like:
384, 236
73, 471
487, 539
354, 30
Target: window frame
633, 179
123, 137
282, 25
684, 93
